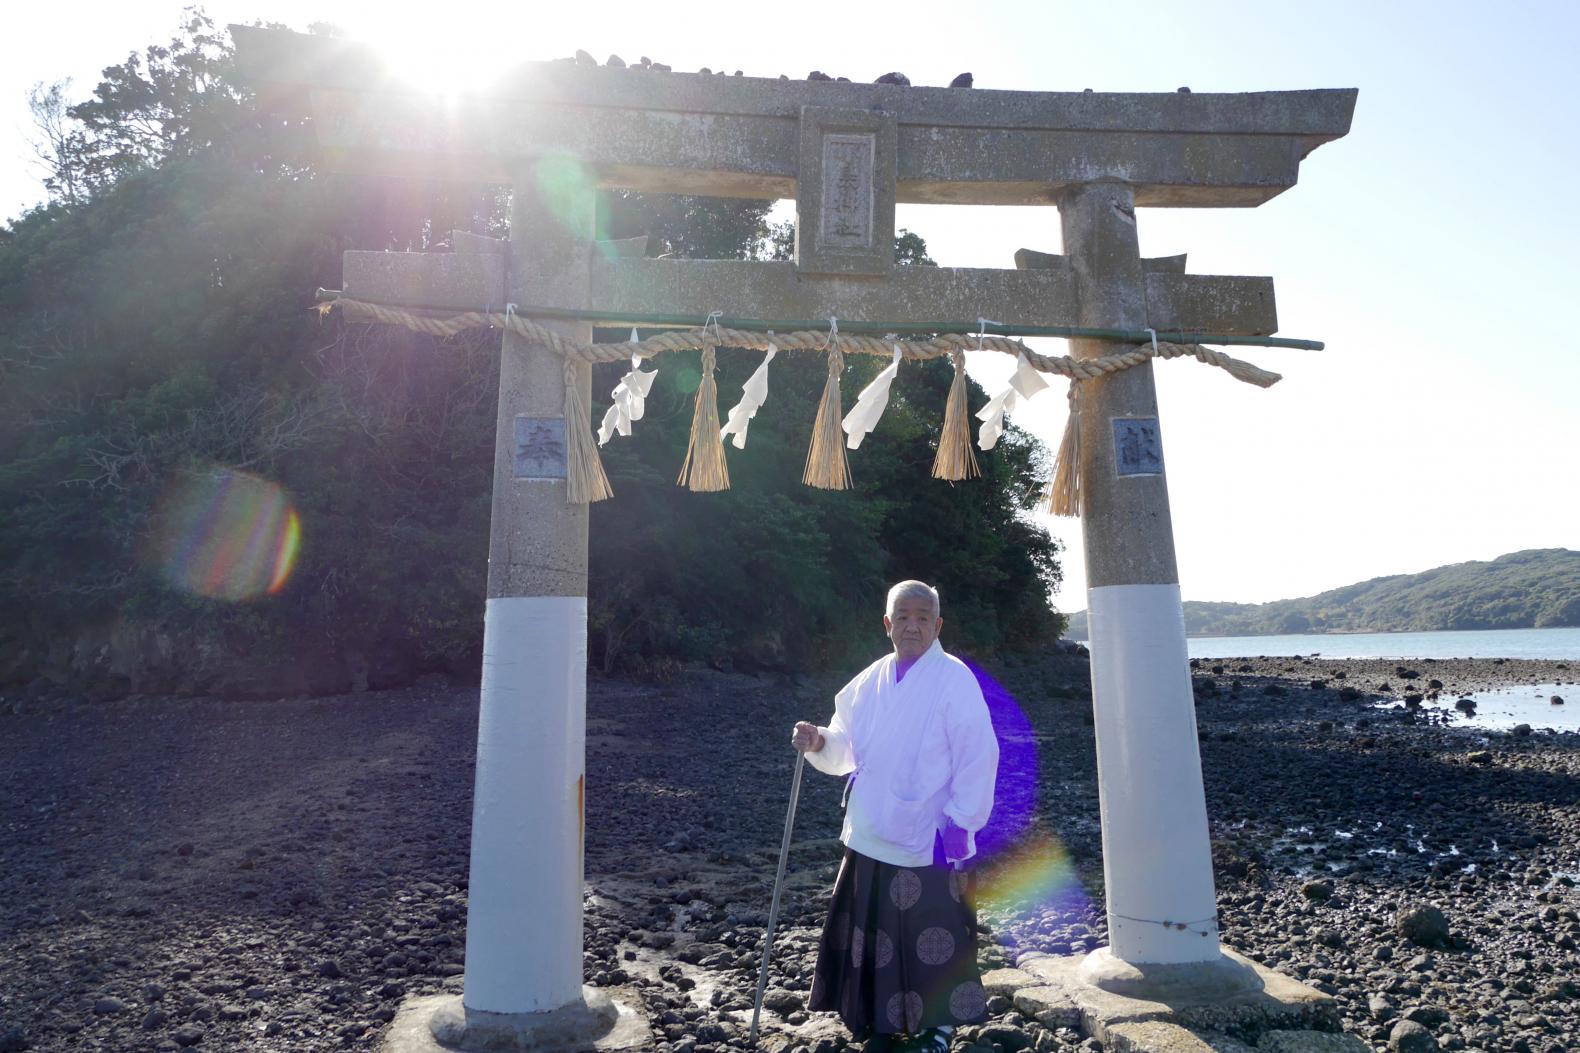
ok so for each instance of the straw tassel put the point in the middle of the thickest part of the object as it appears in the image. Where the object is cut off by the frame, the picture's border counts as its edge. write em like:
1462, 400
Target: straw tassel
705, 470
585, 480
827, 466
956, 459
1064, 493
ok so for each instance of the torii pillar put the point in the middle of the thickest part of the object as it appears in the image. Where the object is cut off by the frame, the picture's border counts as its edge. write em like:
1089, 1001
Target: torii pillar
1157, 854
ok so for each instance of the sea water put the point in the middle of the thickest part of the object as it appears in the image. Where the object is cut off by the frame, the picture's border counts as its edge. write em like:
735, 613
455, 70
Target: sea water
1559, 644
1506, 707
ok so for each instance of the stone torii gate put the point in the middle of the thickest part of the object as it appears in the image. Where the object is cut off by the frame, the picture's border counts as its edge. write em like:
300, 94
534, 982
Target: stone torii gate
846, 153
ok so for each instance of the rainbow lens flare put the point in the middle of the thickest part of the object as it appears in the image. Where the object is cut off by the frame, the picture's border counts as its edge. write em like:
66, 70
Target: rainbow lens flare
1024, 868
1035, 875
226, 534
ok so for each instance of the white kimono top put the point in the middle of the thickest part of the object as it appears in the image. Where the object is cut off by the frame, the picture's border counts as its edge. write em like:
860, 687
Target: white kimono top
920, 750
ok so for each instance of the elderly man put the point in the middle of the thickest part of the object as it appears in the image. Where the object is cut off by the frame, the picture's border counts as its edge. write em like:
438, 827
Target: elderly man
898, 953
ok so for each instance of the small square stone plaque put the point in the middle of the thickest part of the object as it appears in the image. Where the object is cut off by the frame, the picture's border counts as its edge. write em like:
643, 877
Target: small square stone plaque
845, 189
540, 448
1138, 448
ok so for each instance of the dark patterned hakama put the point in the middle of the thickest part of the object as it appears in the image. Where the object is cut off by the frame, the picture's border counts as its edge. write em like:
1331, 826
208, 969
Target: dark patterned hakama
899, 949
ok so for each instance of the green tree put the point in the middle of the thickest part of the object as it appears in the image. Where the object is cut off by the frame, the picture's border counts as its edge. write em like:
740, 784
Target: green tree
155, 330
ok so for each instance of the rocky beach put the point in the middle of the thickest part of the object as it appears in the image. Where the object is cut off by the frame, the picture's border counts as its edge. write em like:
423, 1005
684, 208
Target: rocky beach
279, 875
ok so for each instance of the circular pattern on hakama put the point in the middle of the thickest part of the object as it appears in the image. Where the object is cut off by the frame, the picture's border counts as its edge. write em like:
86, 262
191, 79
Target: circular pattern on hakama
905, 1010
883, 951
935, 946
858, 945
968, 1001
839, 930
905, 889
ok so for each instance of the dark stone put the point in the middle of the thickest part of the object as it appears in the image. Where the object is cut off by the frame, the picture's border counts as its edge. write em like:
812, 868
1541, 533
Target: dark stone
616, 62
1423, 925
964, 80
894, 78
1408, 1036
818, 74
1317, 890
329, 969
109, 1004
1557, 700
1479, 757
187, 1035
1012, 1039
12, 1040
1520, 730
1426, 1015
782, 1002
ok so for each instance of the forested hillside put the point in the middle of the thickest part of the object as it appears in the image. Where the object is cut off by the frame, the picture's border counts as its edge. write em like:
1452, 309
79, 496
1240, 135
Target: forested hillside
1536, 588
206, 486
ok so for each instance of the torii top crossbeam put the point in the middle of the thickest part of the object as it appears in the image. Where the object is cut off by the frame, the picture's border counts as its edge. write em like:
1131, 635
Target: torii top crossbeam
695, 133
846, 152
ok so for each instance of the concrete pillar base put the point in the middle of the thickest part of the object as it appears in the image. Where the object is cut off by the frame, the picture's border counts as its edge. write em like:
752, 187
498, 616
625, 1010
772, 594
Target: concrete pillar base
442, 1024
1174, 1008
1212, 981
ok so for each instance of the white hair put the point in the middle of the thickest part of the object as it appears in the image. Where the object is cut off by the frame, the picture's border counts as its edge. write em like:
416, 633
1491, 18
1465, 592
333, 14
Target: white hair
913, 589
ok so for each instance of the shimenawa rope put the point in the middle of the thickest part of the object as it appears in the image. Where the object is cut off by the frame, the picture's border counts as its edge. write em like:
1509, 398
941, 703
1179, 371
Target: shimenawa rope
827, 465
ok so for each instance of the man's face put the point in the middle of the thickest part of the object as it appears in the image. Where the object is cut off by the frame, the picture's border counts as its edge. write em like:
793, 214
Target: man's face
912, 626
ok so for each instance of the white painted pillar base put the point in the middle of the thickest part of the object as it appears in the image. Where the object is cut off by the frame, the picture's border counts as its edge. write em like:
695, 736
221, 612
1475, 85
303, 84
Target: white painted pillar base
1157, 858
524, 923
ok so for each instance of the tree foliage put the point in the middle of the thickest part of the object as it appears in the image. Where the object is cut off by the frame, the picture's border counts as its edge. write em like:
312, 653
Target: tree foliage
155, 329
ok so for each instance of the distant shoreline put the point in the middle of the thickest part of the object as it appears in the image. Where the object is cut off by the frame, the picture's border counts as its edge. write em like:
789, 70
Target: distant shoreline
1560, 644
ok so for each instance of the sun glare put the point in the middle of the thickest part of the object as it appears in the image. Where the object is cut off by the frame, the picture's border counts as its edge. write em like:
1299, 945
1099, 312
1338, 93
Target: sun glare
473, 46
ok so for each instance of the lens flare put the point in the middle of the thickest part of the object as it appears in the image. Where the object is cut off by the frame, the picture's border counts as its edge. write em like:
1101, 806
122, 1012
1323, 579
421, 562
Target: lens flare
1036, 874
226, 534
1015, 793
566, 187
1024, 869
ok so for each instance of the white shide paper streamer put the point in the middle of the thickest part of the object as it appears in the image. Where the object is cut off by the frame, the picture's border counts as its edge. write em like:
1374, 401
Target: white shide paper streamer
753, 395
870, 404
1023, 385
630, 400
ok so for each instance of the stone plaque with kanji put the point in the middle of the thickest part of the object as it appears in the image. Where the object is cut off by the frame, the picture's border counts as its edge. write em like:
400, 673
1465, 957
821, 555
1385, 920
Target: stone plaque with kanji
540, 451
845, 192
1138, 448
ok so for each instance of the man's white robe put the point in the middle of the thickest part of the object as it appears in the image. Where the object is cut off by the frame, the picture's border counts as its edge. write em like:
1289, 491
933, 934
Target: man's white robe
921, 749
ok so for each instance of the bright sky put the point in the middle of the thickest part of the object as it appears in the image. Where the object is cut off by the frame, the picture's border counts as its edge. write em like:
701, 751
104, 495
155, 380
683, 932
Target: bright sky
1432, 248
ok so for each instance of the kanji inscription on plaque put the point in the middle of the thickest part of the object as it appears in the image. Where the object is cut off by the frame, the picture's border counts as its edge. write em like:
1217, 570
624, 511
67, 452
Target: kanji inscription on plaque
1138, 449
847, 190
540, 448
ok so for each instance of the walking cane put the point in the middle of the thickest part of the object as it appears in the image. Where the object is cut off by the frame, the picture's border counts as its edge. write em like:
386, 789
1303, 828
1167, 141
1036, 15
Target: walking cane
779, 884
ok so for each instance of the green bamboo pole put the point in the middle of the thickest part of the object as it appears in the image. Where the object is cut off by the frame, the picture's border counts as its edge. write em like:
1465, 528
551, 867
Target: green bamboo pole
790, 325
